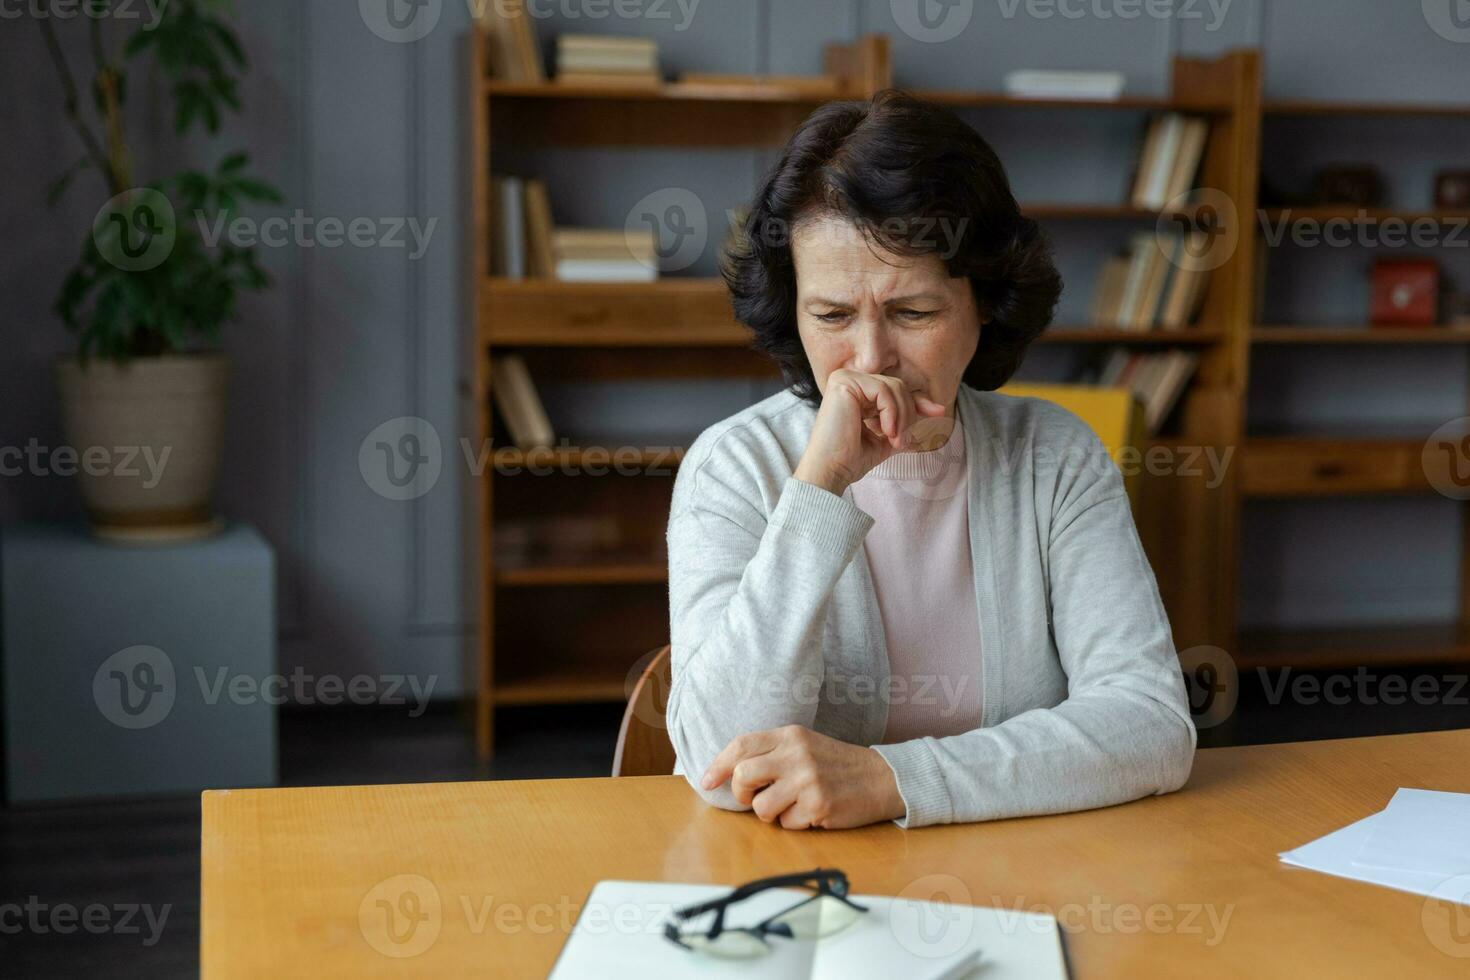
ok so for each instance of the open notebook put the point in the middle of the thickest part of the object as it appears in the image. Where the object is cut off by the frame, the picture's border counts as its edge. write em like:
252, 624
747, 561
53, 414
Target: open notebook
619, 933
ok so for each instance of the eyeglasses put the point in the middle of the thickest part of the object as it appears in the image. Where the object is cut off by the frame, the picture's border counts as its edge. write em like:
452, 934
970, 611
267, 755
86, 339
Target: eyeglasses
826, 911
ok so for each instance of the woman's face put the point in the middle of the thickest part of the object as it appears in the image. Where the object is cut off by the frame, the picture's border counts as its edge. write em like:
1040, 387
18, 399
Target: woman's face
879, 313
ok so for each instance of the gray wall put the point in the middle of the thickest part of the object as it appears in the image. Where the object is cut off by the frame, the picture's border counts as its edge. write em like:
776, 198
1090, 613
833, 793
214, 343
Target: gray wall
351, 125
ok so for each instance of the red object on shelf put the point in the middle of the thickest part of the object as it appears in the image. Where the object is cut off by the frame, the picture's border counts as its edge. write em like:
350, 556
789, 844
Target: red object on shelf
1405, 293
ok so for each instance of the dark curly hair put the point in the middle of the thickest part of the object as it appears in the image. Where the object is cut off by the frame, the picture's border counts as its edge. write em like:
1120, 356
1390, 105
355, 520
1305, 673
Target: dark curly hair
896, 166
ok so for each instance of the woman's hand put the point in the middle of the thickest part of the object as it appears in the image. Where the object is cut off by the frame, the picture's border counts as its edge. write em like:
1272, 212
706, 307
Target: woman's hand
864, 419
805, 779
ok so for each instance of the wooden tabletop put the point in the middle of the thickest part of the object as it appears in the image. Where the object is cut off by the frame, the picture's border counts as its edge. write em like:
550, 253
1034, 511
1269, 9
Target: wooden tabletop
485, 879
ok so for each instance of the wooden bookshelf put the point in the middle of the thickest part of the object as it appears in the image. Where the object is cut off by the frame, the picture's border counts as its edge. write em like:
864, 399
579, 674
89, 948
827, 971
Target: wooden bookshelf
1310, 466
560, 627
1335, 648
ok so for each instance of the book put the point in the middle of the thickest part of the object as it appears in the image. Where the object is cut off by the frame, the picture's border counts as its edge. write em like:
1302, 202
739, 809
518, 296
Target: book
1159, 255
605, 42
606, 244
1165, 387
1157, 379
541, 261
1186, 164
1103, 86
619, 934
1108, 296
515, 54
589, 56
612, 61
1148, 152
1150, 192
508, 227
520, 405
604, 270
1133, 286
1188, 284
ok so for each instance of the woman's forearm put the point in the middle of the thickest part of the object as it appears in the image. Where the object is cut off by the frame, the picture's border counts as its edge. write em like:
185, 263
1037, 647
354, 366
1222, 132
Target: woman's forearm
746, 617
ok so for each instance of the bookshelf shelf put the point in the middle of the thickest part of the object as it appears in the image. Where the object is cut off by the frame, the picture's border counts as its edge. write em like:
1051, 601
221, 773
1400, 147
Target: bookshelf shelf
665, 92
606, 453
590, 570
559, 687
685, 312
1364, 335
1384, 646
544, 312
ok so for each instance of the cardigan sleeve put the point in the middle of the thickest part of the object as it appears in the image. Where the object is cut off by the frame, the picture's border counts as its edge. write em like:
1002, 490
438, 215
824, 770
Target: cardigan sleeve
748, 597
1124, 730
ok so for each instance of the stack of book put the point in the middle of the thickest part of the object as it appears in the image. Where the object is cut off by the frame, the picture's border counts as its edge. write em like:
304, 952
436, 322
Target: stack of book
598, 59
1158, 379
521, 234
520, 405
1102, 86
515, 53
1157, 284
1172, 150
605, 255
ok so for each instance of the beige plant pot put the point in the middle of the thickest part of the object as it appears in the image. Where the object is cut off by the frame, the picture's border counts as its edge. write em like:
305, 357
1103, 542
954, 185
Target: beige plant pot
148, 436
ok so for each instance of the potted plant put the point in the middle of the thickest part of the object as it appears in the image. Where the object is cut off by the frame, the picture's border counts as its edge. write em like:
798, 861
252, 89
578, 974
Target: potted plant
155, 281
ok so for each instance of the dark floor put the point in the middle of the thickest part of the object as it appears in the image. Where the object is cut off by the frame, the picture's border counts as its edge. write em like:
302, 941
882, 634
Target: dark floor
146, 853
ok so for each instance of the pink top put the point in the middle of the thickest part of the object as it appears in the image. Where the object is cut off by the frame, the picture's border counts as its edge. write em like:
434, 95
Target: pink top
918, 552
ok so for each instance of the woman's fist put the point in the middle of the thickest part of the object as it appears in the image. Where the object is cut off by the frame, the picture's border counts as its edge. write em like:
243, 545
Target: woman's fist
864, 419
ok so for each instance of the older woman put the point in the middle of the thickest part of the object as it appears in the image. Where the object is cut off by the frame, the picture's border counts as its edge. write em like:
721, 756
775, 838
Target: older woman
894, 593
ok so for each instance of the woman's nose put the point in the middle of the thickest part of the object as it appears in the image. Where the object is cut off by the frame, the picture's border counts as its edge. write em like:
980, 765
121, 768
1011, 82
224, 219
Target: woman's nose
873, 350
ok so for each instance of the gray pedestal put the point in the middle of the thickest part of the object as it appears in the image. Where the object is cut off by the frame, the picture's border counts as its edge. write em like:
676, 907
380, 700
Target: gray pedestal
135, 670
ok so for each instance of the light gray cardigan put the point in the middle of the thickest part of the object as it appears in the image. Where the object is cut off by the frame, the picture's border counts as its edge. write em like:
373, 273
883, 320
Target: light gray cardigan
774, 623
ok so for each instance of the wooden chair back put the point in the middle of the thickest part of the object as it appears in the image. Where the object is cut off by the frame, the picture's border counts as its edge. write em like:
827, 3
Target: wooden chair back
644, 747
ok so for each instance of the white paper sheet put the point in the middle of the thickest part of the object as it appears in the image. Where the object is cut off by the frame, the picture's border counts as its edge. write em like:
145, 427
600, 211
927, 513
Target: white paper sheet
619, 934
1420, 830
1334, 855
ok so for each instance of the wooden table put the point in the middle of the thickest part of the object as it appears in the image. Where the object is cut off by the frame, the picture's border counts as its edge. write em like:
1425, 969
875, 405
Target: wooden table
1181, 885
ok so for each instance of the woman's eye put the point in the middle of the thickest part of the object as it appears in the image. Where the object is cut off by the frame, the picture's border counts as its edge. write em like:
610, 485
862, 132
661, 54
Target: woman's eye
830, 317
915, 314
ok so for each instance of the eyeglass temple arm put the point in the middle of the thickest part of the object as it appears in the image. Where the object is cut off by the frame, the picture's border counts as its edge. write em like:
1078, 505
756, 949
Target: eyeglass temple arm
822, 875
